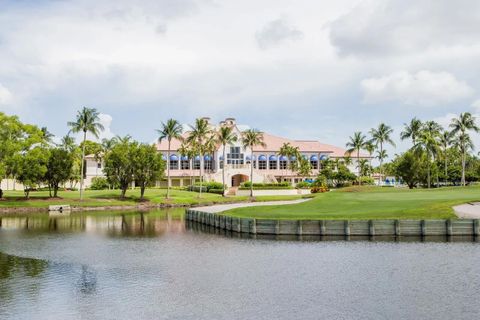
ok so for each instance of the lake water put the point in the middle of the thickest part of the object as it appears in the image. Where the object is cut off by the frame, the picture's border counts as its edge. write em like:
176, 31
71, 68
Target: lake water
153, 266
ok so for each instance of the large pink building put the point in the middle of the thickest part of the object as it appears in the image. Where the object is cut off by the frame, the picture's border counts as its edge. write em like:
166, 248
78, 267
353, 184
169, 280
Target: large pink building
269, 166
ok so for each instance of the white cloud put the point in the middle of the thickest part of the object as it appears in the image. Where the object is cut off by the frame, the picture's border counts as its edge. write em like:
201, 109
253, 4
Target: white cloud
5, 96
476, 105
276, 32
106, 121
393, 27
424, 88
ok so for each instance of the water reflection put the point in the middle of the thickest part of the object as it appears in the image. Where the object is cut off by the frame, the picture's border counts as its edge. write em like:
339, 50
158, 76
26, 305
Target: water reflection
202, 228
147, 224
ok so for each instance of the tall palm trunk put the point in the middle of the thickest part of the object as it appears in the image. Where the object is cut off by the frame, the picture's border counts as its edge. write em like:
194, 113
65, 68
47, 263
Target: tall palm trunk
446, 170
251, 177
463, 167
358, 166
201, 175
223, 170
82, 165
168, 169
381, 162
428, 171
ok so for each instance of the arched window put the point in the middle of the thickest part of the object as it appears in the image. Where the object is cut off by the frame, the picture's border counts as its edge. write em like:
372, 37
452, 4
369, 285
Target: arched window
173, 162
262, 162
282, 161
184, 163
272, 162
314, 162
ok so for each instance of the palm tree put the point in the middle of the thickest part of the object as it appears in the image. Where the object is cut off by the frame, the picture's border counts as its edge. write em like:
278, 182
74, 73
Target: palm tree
187, 150
427, 142
87, 121
250, 139
446, 139
412, 130
464, 144
47, 135
356, 143
380, 136
461, 125
364, 167
370, 148
200, 132
225, 136
169, 131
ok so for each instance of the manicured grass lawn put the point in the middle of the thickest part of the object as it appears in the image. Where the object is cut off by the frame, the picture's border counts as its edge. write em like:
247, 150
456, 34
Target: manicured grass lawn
370, 203
96, 198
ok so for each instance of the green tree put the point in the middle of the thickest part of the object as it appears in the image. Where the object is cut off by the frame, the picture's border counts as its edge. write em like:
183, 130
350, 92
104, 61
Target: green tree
59, 169
252, 138
427, 142
199, 133
170, 130
87, 121
380, 136
408, 168
460, 127
32, 168
357, 142
118, 165
445, 141
412, 130
147, 165
225, 136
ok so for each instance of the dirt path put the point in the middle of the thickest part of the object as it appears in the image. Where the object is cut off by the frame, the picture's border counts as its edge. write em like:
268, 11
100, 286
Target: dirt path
223, 207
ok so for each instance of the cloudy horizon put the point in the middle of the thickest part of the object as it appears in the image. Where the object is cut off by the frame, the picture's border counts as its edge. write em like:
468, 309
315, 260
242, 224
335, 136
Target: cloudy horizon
308, 70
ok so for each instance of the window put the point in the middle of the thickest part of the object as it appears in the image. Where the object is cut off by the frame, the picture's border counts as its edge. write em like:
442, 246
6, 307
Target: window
173, 165
283, 164
208, 164
272, 165
262, 164
196, 164
185, 165
314, 164
99, 165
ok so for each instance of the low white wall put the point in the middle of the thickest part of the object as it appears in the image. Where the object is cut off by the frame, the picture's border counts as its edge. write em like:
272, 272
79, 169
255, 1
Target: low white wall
273, 192
8, 184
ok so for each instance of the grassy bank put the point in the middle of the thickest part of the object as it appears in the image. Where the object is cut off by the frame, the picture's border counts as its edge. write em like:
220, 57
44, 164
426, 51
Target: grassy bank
370, 203
102, 198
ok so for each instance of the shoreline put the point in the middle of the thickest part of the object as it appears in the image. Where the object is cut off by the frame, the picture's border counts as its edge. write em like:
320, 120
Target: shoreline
139, 207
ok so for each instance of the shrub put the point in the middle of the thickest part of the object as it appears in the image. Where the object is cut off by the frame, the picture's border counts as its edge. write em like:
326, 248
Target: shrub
367, 180
210, 185
303, 185
217, 191
266, 186
316, 189
99, 183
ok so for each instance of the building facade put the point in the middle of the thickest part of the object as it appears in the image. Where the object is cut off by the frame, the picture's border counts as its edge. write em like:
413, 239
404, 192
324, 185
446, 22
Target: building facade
269, 166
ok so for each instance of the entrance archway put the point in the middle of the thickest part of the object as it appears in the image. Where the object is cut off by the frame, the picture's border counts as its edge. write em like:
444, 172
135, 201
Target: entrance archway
238, 179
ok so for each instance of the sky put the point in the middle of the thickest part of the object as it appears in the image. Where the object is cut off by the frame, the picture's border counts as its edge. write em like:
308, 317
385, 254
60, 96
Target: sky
300, 69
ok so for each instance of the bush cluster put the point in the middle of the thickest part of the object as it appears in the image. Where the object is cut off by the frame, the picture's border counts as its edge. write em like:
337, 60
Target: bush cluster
266, 186
99, 183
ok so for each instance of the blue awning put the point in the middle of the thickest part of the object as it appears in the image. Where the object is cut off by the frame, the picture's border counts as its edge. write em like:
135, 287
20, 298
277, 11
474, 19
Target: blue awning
207, 158
197, 158
272, 158
173, 157
304, 156
283, 158
184, 158
262, 158
293, 158
323, 157
164, 157
314, 158
249, 158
